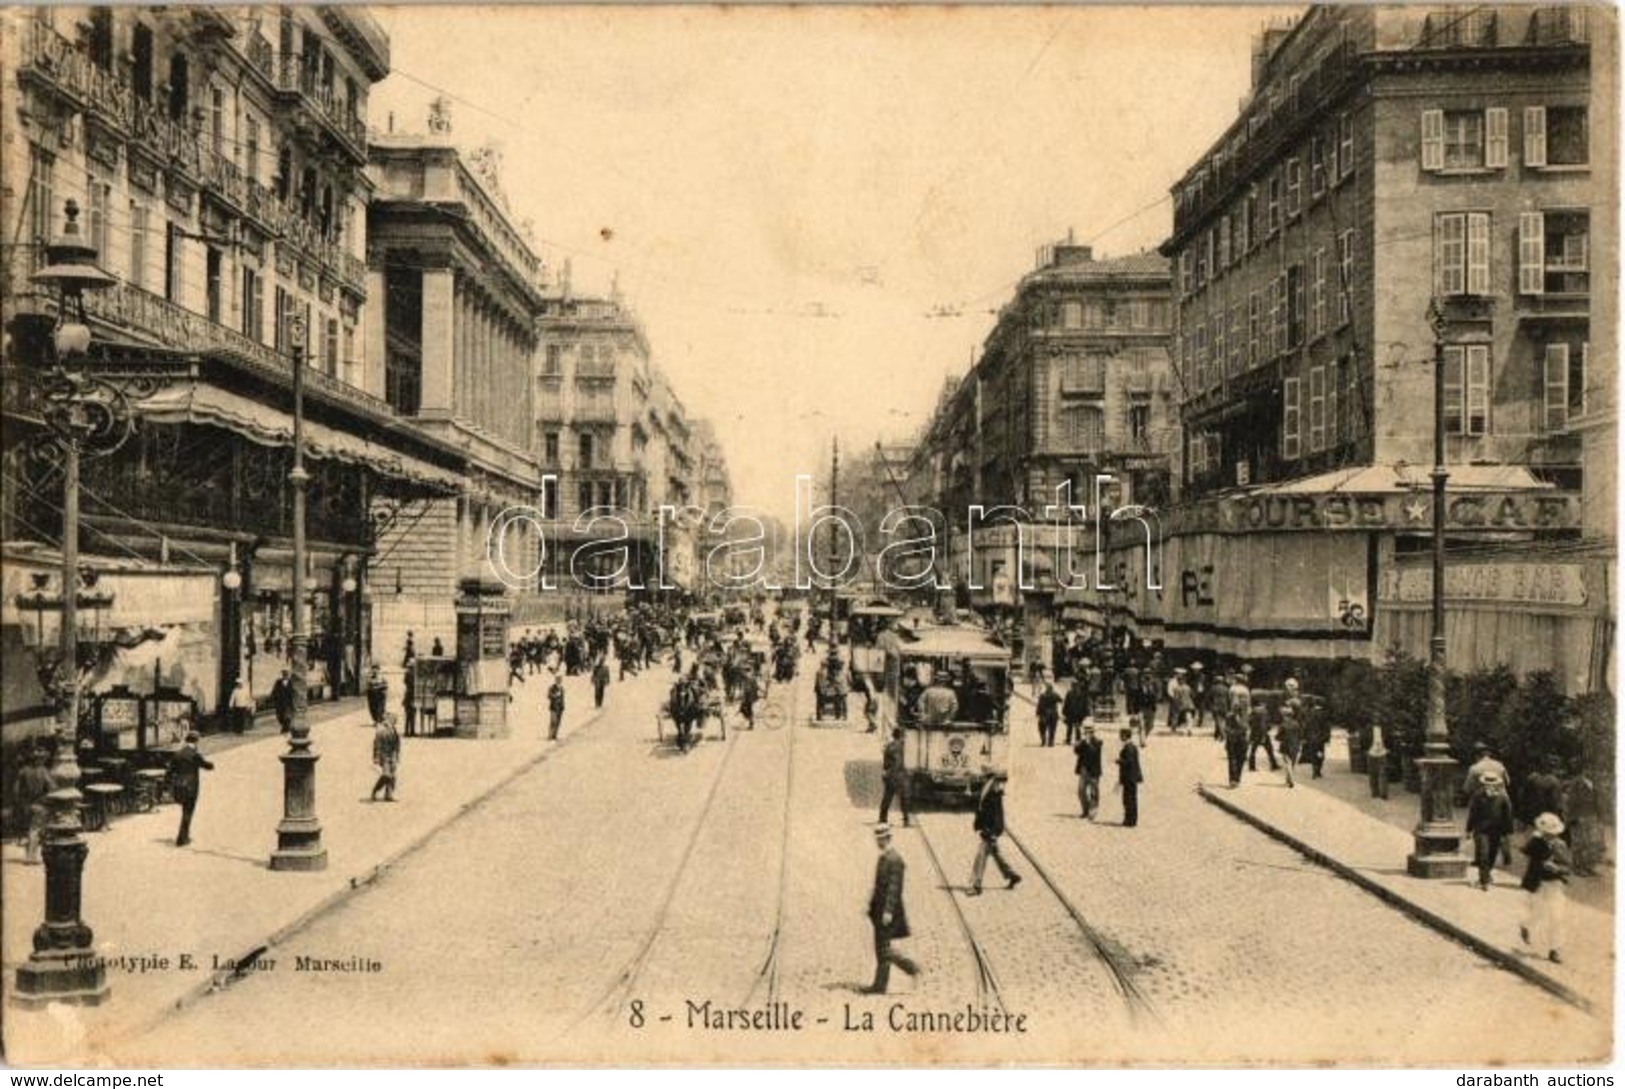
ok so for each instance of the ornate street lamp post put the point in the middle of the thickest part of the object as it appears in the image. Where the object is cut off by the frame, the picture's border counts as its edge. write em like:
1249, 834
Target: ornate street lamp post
299, 834
1437, 850
82, 415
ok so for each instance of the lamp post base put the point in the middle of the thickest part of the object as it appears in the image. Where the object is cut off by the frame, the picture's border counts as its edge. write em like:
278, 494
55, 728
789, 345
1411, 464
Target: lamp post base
299, 835
75, 977
1437, 855
64, 966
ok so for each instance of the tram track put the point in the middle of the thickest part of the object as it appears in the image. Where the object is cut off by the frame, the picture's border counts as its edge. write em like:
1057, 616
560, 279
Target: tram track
1139, 1004
769, 972
623, 984
1118, 966
987, 981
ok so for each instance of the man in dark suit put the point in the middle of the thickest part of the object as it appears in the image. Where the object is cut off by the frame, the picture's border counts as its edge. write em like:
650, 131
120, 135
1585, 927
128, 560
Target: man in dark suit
886, 912
1049, 715
1074, 709
895, 775
1129, 777
1087, 768
185, 780
282, 702
989, 825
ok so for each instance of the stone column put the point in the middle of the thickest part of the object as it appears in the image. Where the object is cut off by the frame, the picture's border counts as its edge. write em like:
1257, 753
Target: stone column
372, 374
439, 340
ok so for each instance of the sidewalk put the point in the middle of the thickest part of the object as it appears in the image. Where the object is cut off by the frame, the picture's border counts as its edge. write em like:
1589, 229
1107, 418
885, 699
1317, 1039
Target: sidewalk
1371, 852
194, 913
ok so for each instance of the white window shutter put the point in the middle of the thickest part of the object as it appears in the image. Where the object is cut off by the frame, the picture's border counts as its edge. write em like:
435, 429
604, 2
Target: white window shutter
1556, 384
1432, 139
1478, 253
1478, 389
1531, 253
1289, 419
1534, 136
1495, 138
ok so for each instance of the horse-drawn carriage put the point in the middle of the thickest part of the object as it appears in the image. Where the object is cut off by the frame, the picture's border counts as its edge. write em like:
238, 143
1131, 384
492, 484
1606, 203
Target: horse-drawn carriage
684, 713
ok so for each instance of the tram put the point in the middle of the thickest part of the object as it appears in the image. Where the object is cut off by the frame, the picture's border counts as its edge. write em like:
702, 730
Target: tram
950, 746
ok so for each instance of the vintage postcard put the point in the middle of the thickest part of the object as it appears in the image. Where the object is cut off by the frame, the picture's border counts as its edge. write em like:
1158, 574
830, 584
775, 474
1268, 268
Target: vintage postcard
810, 536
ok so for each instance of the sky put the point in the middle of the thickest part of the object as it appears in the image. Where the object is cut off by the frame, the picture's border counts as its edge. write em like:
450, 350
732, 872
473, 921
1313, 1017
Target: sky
817, 212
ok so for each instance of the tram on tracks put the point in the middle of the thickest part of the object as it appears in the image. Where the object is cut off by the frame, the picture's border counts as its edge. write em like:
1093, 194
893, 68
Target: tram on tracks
949, 689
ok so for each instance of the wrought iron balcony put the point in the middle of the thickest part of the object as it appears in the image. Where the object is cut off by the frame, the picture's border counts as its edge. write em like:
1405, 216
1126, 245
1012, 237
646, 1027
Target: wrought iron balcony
298, 80
130, 307
57, 64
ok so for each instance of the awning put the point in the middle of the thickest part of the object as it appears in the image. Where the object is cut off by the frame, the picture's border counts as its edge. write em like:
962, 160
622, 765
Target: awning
1388, 479
199, 403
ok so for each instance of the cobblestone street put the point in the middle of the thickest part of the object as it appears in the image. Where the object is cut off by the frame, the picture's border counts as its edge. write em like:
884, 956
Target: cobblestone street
640, 885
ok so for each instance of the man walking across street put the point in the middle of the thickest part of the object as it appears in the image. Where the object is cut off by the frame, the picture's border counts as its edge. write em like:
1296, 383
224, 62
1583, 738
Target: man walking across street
600, 681
887, 915
185, 780
555, 708
895, 776
386, 756
1129, 776
1088, 771
1049, 715
989, 824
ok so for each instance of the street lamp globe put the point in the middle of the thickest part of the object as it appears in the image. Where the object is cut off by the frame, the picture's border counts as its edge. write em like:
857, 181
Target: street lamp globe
72, 339
231, 580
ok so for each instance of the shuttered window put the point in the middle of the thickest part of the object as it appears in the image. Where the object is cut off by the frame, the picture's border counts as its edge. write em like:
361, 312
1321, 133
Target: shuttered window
1531, 253
1290, 439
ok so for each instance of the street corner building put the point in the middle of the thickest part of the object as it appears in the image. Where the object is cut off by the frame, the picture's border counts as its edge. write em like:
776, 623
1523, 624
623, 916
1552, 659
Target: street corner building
220, 166
1401, 182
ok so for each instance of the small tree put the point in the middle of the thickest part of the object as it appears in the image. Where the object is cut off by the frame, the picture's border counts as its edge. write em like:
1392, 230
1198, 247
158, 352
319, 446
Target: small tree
1530, 726
1401, 702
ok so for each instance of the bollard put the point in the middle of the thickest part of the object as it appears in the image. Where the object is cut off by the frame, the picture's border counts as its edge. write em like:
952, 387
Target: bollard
1377, 765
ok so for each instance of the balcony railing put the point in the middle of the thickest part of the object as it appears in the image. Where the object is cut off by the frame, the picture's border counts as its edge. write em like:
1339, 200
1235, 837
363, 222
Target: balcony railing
174, 326
297, 75
49, 56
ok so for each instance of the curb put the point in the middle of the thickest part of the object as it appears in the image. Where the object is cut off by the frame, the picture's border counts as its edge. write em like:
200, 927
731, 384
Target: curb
368, 875
1427, 917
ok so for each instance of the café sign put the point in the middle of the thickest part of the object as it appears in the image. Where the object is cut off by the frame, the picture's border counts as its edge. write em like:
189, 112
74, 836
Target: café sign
1510, 583
1395, 512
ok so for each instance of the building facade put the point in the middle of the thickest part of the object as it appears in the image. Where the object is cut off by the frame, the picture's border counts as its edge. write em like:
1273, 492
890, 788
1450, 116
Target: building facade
449, 347
1073, 382
216, 160
1396, 175
615, 437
